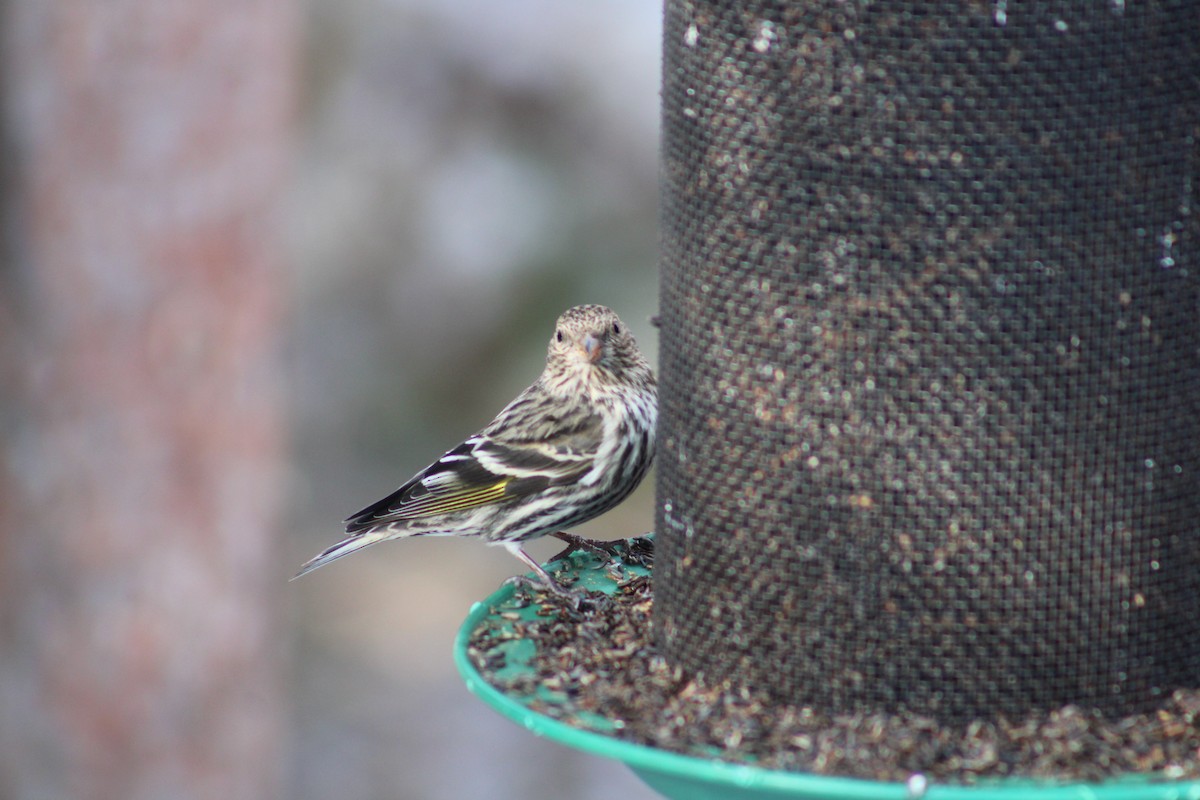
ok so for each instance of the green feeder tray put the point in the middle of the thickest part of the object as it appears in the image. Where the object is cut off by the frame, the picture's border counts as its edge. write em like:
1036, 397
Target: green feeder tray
693, 778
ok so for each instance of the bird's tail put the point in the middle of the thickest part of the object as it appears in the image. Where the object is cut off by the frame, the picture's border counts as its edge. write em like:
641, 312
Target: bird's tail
343, 548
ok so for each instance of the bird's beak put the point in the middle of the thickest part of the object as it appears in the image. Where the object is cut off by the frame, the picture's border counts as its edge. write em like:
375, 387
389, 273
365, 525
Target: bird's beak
592, 348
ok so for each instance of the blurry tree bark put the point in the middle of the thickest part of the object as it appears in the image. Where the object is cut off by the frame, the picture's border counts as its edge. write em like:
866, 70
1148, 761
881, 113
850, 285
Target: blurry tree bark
141, 291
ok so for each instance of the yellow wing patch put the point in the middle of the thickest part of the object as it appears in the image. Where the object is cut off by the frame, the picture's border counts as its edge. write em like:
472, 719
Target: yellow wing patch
453, 500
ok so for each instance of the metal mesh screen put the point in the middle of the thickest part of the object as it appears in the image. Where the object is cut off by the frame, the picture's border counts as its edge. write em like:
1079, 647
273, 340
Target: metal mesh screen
929, 368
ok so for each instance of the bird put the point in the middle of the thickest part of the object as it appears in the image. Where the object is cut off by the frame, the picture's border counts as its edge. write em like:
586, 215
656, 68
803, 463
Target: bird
571, 446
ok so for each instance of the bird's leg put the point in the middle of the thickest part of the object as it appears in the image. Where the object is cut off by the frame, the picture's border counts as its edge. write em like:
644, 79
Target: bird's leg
609, 549
547, 581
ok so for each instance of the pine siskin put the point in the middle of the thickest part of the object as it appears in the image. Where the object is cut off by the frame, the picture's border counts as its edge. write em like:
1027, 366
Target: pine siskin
569, 448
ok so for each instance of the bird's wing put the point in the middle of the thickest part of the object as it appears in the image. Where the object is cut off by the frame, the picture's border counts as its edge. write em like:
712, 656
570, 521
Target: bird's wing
487, 469
560, 444
537, 433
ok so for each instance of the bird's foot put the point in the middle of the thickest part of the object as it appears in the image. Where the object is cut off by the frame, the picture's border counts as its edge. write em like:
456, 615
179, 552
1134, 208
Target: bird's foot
543, 577
610, 550
575, 601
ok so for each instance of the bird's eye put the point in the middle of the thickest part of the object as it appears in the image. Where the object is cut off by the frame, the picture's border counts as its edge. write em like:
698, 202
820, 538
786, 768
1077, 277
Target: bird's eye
617, 328
558, 336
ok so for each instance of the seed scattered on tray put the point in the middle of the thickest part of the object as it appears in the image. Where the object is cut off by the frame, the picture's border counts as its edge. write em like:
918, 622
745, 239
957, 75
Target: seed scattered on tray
596, 662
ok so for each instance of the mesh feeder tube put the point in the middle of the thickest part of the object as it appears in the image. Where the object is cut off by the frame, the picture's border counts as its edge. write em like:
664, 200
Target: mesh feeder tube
929, 353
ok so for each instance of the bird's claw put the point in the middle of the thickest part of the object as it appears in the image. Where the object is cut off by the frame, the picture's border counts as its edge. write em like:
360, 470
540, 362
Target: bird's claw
554, 593
610, 550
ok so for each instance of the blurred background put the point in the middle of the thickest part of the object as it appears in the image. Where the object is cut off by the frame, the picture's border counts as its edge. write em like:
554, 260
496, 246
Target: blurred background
260, 262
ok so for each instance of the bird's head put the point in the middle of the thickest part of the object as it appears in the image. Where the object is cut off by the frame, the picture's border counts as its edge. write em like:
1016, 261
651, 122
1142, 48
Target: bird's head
591, 344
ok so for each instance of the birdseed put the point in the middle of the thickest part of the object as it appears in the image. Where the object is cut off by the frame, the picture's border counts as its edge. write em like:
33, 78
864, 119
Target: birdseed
594, 667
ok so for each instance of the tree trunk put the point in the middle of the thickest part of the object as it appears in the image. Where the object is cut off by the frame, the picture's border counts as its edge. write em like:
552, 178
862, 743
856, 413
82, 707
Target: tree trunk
146, 146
